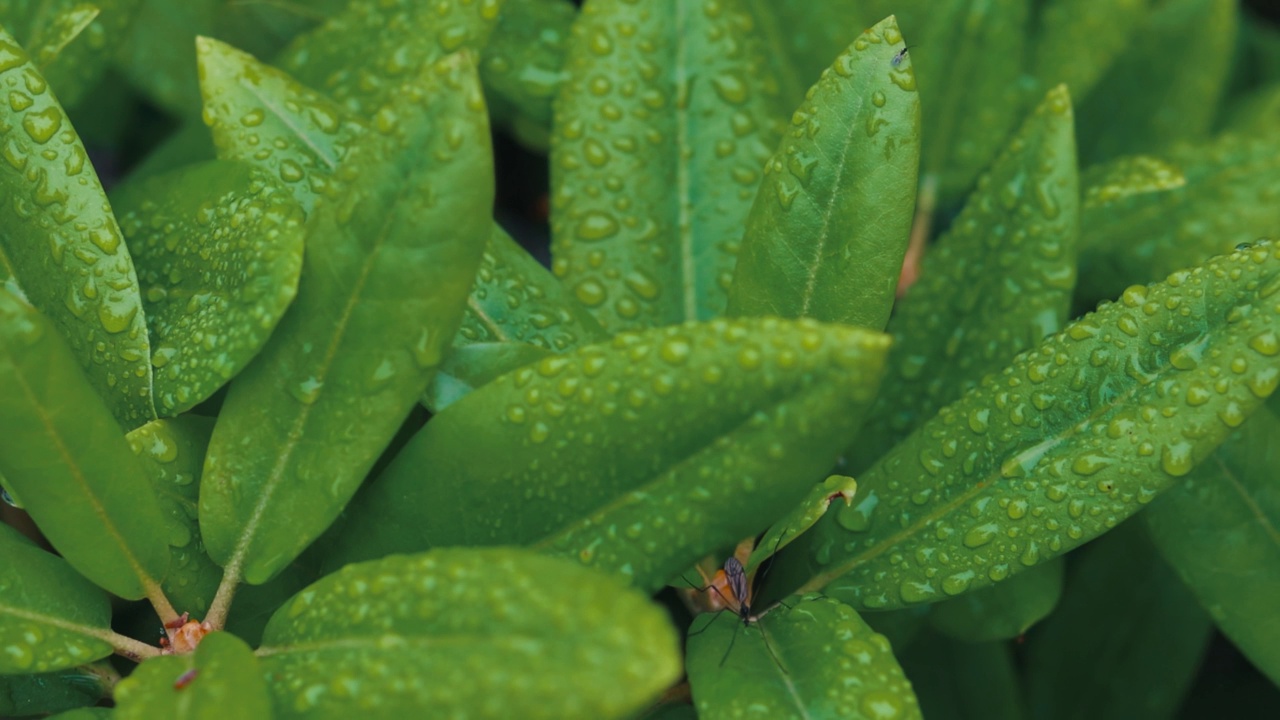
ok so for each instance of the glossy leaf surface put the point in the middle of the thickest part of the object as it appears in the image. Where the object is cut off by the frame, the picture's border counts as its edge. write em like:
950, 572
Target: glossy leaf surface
802, 38
636, 456
50, 617
218, 249
821, 661
221, 679
500, 633
45, 693
63, 28
522, 66
390, 258
653, 172
828, 230
65, 250
66, 458
1112, 182
1059, 447
43, 25
992, 286
802, 517
962, 681
1004, 611
1078, 40
1220, 530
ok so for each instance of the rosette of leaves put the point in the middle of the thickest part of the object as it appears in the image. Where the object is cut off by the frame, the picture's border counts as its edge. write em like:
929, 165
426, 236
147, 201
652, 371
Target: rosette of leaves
821, 273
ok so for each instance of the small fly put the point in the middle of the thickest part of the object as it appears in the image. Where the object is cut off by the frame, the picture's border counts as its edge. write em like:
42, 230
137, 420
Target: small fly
900, 56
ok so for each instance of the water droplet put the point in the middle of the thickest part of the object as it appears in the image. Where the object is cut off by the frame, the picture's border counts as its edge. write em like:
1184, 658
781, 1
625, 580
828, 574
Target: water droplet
1176, 459
981, 535
307, 391
913, 591
42, 125
958, 583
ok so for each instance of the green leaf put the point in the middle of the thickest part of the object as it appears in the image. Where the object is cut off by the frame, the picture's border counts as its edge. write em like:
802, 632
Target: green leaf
1078, 40
45, 693
522, 67
390, 258
1255, 113
64, 247
50, 617
67, 459
828, 230
1108, 184
653, 171
638, 455
66, 24
995, 284
901, 627
1004, 611
821, 661
218, 248
1218, 529
801, 39
172, 454
1142, 634
1165, 86
221, 679
499, 632
1224, 202
958, 680
802, 517
189, 144
1062, 445
473, 365
84, 714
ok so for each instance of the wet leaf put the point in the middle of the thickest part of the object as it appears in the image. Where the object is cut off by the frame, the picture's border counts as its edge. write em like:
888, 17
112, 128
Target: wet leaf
828, 230
63, 28
992, 286
1004, 611
68, 461
802, 39
1218, 529
653, 173
218, 248
45, 693
1059, 447
522, 66
638, 455
1078, 40
220, 679
821, 660
51, 618
962, 681
64, 248
1107, 184
390, 257
473, 365
500, 632
803, 516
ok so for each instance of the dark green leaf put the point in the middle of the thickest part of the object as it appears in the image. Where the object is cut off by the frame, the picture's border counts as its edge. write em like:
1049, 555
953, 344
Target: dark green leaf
222, 679
1108, 184
636, 456
65, 25
901, 627
22, 695
654, 170
189, 144
69, 463
390, 257
84, 714
468, 367
828, 230
63, 244
964, 681
1069, 440
50, 617
1077, 40
158, 53
802, 38
522, 67
803, 516
218, 248
817, 659
1255, 114
1004, 611
492, 633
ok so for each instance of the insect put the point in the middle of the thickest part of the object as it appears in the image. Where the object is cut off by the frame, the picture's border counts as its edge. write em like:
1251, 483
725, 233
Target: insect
900, 56
736, 596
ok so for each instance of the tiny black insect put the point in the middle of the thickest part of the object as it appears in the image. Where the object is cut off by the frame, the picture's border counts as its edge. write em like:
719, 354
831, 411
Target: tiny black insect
900, 56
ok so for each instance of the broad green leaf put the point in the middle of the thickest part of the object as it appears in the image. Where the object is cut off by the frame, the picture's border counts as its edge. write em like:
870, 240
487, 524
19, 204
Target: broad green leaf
1078, 40
62, 29
1059, 447
1227, 200
470, 366
221, 679
522, 67
255, 604
23, 695
1126, 630
1255, 114
803, 516
262, 116
654, 171
218, 247
158, 51
964, 681
1004, 611
485, 633
636, 456
68, 461
1220, 529
63, 245
801, 39
992, 286
1109, 183
51, 618
391, 254
900, 627
172, 454
44, 25
828, 230
361, 56
1165, 86
821, 661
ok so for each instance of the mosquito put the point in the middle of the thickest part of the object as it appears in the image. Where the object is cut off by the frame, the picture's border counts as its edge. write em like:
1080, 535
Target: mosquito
733, 578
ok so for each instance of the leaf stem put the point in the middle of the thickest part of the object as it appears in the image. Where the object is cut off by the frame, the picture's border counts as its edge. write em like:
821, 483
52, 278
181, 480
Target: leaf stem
921, 226
221, 605
164, 608
135, 650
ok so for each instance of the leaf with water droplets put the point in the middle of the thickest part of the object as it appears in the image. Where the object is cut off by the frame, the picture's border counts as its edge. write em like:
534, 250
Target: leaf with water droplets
500, 632
1059, 447
64, 25
1220, 529
802, 517
993, 285
1142, 634
391, 254
1004, 611
221, 679
661, 129
1167, 84
218, 247
1111, 182
50, 617
62, 242
1078, 40
67, 459
523, 65
828, 230
38, 694
963, 681
817, 659
172, 454
639, 455
1229, 198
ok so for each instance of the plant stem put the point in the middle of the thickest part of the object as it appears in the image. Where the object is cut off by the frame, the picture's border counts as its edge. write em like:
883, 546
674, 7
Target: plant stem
161, 603
921, 226
221, 605
135, 650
